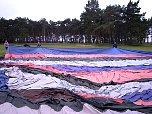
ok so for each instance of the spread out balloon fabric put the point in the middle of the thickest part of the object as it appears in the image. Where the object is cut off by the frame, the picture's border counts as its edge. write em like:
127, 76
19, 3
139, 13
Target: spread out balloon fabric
75, 80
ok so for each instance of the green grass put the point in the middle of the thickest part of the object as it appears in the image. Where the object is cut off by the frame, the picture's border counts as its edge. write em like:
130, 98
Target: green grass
144, 47
65, 45
2, 50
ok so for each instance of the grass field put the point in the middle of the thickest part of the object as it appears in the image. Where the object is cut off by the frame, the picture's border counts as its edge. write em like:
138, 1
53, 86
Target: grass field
144, 47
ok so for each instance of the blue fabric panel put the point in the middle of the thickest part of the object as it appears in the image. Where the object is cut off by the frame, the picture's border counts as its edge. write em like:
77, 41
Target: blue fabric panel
145, 95
3, 80
137, 51
71, 68
19, 50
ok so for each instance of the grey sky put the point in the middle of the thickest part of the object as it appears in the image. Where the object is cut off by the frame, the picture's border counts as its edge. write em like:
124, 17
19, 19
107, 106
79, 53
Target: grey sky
57, 9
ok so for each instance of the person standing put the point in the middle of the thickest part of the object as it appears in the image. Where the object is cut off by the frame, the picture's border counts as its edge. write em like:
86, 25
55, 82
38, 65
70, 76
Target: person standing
6, 44
38, 44
115, 45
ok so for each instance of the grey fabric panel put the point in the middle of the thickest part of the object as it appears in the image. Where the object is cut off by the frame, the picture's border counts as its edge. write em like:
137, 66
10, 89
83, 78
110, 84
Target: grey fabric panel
58, 98
8, 108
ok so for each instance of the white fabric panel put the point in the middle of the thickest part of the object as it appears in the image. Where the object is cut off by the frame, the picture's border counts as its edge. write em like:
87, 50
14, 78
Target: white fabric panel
23, 80
8, 108
85, 63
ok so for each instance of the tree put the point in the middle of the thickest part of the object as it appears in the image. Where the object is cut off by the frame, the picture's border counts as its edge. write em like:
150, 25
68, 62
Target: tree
44, 28
3, 29
76, 28
91, 18
135, 23
112, 19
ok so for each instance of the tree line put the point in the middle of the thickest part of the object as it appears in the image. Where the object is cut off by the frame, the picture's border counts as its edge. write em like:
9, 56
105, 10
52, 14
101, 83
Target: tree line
115, 23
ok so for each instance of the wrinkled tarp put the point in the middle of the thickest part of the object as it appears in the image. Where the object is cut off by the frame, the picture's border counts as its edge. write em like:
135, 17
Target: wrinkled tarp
28, 52
58, 98
108, 79
23, 80
8, 108
71, 51
113, 63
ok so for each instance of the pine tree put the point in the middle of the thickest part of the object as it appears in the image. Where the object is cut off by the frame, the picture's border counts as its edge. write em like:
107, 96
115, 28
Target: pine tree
91, 18
135, 23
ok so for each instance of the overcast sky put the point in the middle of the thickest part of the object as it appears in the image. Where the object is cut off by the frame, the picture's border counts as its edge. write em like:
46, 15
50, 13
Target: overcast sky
56, 10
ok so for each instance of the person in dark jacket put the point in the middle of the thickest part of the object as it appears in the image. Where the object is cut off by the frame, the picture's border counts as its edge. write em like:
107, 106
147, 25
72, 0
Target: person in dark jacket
115, 45
38, 44
6, 44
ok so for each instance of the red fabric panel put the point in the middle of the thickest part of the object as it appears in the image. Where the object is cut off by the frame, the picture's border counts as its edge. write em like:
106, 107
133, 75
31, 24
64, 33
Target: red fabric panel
140, 102
72, 56
120, 76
